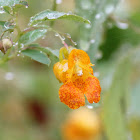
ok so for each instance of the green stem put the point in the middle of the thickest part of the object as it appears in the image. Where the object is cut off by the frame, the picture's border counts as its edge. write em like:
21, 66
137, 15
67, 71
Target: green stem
53, 9
6, 57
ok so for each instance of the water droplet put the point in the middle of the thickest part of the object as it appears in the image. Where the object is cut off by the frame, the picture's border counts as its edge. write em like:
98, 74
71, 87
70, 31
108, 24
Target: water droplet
65, 67
109, 9
97, 16
43, 37
15, 44
9, 76
88, 26
84, 45
22, 46
70, 12
89, 106
89, 21
19, 51
98, 55
26, 6
6, 25
58, 1
56, 34
80, 73
1, 10
63, 38
68, 35
41, 52
92, 41
122, 25
35, 25
86, 4
74, 43
96, 74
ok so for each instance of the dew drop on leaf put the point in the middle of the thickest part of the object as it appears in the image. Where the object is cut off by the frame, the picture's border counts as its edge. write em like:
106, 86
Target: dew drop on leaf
68, 35
97, 16
63, 38
58, 1
92, 41
89, 106
86, 4
98, 55
122, 25
9, 76
1, 10
109, 9
22, 45
56, 34
88, 26
96, 74
26, 6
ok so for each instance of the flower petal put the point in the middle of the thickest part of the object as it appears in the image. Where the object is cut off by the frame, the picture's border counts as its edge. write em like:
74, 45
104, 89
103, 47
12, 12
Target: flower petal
71, 96
78, 56
92, 89
79, 82
60, 70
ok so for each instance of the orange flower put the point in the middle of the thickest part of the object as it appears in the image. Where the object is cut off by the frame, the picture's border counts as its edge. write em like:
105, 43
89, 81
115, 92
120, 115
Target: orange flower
77, 75
81, 124
60, 70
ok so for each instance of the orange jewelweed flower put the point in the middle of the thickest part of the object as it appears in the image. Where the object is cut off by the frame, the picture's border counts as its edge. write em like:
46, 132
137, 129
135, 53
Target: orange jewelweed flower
77, 75
81, 124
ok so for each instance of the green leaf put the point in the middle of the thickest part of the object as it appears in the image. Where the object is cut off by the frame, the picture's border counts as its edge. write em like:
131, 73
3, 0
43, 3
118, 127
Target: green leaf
6, 5
7, 9
115, 37
115, 102
32, 36
12, 3
37, 55
97, 12
48, 15
52, 54
6, 26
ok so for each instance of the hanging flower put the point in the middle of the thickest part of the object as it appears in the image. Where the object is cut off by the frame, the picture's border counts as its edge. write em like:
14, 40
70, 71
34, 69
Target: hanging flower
77, 75
81, 124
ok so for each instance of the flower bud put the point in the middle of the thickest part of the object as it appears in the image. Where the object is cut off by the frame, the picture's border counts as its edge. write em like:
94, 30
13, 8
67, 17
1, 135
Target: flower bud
81, 124
1, 46
6, 44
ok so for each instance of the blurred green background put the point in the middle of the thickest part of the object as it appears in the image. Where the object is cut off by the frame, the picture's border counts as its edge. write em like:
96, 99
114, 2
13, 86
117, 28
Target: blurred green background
30, 108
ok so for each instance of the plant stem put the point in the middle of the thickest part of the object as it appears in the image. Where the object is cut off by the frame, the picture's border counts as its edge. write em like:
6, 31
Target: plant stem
54, 7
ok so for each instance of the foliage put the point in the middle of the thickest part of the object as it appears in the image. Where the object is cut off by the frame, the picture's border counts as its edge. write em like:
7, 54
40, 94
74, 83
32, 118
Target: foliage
107, 30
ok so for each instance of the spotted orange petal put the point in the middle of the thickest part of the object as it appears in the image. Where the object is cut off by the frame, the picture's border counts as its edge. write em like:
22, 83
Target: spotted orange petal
78, 56
71, 96
92, 89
